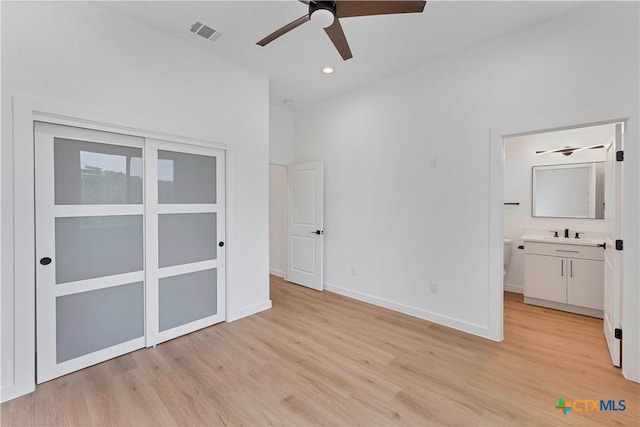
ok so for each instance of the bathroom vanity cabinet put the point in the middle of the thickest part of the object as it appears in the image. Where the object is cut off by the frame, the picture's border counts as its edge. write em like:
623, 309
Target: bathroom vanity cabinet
564, 276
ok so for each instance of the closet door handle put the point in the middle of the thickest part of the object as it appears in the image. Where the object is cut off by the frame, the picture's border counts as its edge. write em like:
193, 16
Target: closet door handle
562, 267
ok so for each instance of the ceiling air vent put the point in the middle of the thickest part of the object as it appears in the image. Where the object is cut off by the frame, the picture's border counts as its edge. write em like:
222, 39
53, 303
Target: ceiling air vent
205, 31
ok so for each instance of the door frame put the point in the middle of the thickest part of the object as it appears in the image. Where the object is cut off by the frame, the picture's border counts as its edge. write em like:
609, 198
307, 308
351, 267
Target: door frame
26, 111
626, 114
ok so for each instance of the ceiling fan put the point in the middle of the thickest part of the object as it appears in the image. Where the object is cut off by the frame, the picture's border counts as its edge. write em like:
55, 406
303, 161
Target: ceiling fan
327, 14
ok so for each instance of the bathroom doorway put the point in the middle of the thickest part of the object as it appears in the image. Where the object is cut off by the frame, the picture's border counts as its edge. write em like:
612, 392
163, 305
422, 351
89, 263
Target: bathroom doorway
561, 211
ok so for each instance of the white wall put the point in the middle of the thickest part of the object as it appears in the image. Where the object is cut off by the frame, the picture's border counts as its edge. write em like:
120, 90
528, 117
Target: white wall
277, 219
405, 224
84, 55
519, 158
280, 135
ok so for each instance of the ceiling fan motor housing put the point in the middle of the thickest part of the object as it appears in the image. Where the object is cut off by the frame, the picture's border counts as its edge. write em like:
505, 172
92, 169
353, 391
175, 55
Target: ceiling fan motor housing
325, 12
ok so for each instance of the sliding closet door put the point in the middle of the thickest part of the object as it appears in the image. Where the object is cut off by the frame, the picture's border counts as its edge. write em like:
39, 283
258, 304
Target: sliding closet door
89, 247
185, 230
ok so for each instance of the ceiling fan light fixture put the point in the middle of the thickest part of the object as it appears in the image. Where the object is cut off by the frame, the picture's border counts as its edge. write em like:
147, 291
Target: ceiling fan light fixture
322, 18
322, 13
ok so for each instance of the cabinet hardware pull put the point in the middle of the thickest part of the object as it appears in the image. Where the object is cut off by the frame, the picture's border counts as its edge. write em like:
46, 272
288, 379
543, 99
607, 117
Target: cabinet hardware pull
561, 268
573, 252
571, 264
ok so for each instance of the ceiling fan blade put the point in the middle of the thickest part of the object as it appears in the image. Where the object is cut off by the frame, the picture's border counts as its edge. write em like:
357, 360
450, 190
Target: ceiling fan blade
335, 33
284, 30
349, 8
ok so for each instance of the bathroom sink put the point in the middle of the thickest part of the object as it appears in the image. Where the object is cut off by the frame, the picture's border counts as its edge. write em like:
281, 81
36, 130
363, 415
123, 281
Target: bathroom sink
573, 240
591, 241
586, 241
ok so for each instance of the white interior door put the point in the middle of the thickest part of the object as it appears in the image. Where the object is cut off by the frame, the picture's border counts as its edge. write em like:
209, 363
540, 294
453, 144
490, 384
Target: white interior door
612, 257
89, 247
185, 228
305, 232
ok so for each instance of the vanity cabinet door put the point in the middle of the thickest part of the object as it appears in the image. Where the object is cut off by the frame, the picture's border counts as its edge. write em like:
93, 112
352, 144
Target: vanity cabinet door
545, 278
585, 283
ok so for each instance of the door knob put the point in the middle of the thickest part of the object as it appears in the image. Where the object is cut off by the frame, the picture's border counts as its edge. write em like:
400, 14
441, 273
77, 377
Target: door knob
45, 261
317, 232
221, 244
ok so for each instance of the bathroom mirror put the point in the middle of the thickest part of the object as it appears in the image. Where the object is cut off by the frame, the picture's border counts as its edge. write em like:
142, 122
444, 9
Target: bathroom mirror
568, 191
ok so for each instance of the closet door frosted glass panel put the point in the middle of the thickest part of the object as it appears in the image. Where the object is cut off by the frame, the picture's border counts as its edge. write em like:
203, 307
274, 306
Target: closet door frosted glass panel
185, 238
89, 173
96, 246
186, 178
187, 297
90, 321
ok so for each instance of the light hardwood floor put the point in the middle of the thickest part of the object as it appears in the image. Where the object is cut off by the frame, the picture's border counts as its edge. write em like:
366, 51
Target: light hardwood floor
320, 358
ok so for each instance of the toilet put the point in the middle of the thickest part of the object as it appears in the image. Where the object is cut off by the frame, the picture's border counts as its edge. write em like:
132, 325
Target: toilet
506, 255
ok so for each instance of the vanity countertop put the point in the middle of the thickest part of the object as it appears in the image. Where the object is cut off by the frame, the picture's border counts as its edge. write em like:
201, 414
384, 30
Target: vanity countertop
583, 241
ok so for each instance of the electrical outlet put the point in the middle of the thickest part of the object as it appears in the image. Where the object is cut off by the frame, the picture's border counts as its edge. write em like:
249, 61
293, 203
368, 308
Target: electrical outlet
434, 287
354, 271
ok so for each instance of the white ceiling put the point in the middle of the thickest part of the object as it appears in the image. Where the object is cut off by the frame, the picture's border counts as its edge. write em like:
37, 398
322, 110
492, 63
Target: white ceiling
381, 45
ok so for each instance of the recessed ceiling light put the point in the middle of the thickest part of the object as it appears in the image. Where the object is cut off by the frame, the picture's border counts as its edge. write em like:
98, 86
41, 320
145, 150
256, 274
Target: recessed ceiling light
327, 70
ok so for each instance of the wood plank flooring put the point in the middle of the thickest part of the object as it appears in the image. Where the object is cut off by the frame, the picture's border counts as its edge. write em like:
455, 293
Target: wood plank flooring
323, 359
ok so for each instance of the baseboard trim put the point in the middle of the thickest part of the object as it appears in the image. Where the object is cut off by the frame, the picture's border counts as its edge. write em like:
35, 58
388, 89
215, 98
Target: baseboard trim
276, 272
12, 391
249, 310
585, 311
471, 328
514, 288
